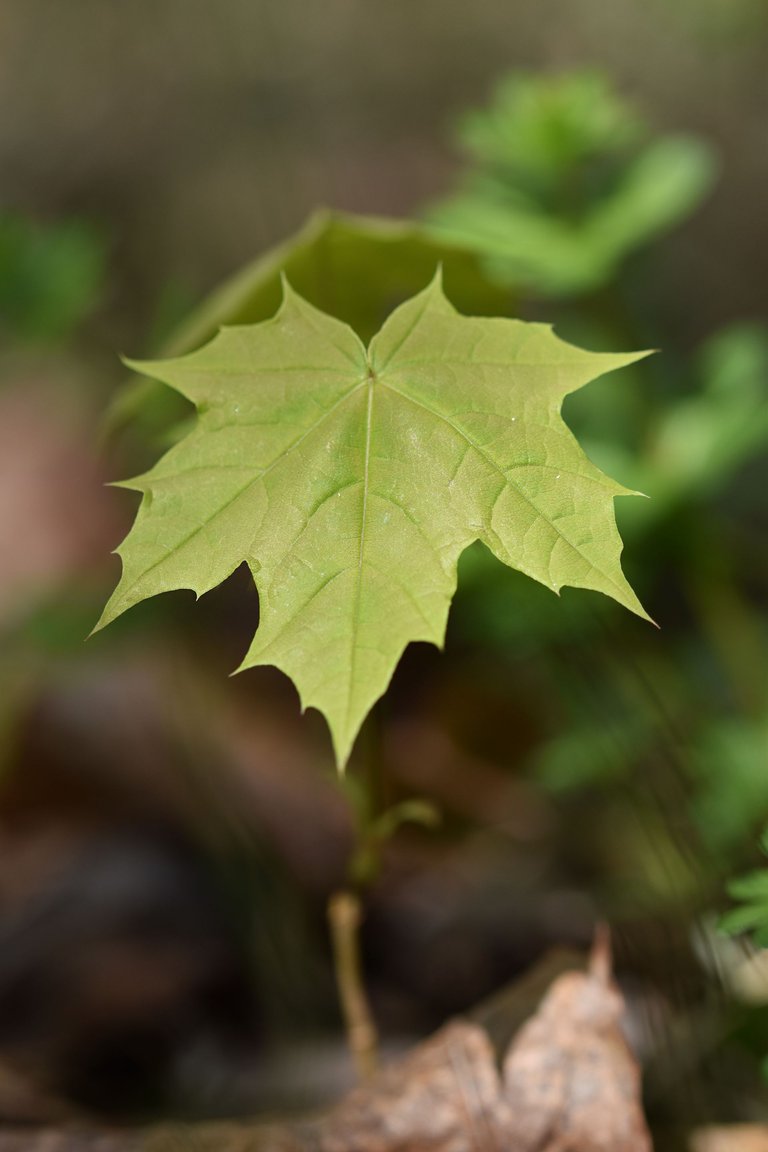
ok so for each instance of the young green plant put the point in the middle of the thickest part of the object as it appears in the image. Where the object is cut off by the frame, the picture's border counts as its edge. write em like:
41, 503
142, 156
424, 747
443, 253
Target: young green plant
350, 479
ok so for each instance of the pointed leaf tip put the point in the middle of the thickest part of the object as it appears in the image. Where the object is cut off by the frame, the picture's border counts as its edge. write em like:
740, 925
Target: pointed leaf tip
285, 286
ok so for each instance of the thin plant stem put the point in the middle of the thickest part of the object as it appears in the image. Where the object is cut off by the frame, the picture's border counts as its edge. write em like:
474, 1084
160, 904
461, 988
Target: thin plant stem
345, 916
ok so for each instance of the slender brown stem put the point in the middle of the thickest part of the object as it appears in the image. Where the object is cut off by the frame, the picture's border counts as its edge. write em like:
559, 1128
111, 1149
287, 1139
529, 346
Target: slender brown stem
345, 916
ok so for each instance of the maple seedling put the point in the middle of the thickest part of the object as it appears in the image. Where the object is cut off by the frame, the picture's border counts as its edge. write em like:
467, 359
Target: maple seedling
350, 480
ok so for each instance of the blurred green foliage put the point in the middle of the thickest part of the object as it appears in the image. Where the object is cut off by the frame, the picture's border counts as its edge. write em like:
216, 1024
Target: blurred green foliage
751, 892
51, 277
564, 181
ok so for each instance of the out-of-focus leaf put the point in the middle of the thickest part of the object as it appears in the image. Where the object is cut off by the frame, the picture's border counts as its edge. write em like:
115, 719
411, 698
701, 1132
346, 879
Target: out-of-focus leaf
415, 811
564, 189
526, 245
365, 862
50, 277
701, 440
535, 127
695, 444
357, 268
745, 919
523, 246
754, 886
729, 769
752, 893
656, 191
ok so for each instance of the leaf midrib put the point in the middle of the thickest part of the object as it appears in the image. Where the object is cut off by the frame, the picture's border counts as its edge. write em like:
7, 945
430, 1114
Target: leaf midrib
371, 386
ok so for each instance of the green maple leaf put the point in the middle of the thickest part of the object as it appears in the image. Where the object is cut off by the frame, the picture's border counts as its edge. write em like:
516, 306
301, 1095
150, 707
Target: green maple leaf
351, 479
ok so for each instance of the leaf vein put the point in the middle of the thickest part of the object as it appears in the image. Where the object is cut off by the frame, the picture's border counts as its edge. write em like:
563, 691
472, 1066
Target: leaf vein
228, 504
497, 467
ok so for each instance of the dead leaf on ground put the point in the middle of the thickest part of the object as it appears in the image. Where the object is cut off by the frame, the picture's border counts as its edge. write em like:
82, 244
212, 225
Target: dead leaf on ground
731, 1138
570, 1080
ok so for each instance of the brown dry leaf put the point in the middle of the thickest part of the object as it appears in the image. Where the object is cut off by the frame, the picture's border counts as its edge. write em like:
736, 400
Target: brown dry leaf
444, 1097
731, 1138
570, 1080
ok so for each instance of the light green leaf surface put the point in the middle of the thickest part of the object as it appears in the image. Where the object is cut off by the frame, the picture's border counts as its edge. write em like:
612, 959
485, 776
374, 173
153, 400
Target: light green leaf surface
350, 480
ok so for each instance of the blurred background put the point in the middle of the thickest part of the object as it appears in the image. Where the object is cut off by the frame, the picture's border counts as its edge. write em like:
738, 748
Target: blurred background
169, 837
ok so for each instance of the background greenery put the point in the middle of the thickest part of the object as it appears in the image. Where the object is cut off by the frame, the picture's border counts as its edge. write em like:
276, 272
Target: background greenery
608, 166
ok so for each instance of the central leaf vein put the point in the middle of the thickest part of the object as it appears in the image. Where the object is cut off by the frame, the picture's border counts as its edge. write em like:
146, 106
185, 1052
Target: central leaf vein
363, 517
